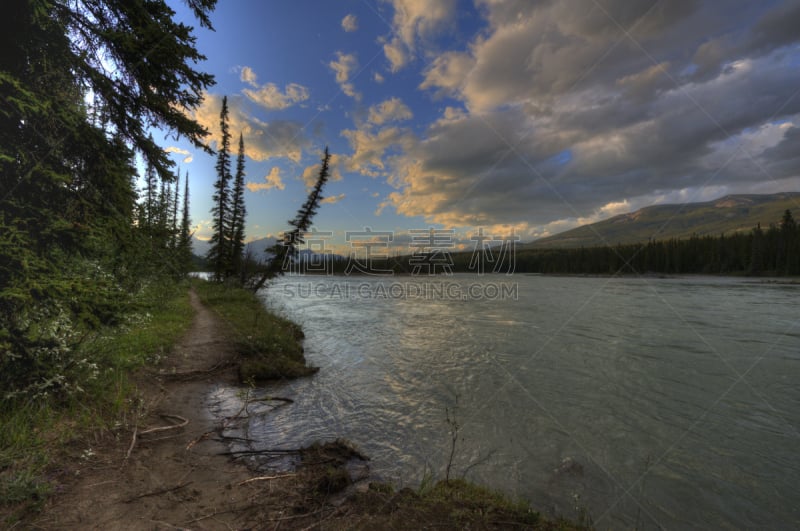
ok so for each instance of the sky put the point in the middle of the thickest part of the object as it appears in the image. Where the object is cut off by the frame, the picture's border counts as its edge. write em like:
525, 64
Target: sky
506, 116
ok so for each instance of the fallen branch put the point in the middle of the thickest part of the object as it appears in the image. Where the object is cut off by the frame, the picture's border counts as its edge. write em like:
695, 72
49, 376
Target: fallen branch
157, 492
277, 451
183, 423
266, 478
295, 516
273, 399
204, 436
188, 375
133, 442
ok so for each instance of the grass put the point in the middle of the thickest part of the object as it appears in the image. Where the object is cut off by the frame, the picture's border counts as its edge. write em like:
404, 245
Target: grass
270, 346
454, 504
36, 435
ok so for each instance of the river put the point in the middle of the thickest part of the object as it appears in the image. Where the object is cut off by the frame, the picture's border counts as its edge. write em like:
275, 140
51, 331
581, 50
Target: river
647, 403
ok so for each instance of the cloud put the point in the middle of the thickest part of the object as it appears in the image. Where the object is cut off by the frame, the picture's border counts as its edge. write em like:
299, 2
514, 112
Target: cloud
369, 148
344, 66
396, 54
561, 118
350, 23
263, 140
310, 173
378, 78
248, 76
272, 180
414, 21
391, 110
448, 72
333, 199
269, 95
187, 155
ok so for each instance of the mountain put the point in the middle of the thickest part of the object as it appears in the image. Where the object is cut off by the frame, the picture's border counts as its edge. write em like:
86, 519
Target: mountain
256, 247
729, 214
200, 247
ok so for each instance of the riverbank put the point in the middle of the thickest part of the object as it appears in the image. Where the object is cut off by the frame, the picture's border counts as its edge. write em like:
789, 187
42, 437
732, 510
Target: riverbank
170, 465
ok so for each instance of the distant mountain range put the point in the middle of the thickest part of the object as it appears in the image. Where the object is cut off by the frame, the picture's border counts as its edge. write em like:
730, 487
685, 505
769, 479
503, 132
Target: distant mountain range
256, 247
729, 214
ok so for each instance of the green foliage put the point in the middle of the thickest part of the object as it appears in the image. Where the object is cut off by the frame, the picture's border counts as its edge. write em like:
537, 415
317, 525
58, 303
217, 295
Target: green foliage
184, 244
219, 253
457, 504
270, 346
238, 215
35, 431
286, 251
759, 252
81, 83
729, 215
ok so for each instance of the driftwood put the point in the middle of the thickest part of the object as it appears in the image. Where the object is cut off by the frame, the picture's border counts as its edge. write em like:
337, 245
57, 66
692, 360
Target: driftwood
183, 423
265, 478
136, 432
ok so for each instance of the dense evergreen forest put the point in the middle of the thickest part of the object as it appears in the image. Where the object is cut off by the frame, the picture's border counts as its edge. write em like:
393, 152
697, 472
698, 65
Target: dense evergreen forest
775, 251
82, 84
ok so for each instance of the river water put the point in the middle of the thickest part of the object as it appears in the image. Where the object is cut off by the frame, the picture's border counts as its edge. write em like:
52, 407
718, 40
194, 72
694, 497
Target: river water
647, 403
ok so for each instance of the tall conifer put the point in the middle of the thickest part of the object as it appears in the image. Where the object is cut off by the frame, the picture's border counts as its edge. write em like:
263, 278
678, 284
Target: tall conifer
219, 253
238, 212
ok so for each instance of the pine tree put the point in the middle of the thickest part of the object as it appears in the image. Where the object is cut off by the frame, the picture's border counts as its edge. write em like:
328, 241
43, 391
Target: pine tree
219, 253
185, 237
174, 224
82, 82
238, 213
293, 239
150, 197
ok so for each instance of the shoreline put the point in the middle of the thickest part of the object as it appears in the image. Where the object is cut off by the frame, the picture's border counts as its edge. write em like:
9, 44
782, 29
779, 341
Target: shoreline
176, 468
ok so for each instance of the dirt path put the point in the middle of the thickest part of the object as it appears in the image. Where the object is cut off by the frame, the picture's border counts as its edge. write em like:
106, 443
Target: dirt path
173, 478
178, 477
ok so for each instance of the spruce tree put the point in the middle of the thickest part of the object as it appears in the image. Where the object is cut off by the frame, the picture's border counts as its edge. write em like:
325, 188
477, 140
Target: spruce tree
150, 196
238, 213
82, 82
219, 253
293, 239
185, 236
173, 243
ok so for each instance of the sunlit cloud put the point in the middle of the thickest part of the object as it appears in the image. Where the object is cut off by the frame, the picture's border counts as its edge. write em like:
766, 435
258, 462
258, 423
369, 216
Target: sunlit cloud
248, 76
332, 199
344, 66
350, 23
414, 21
269, 95
391, 110
271, 180
311, 173
263, 140
187, 155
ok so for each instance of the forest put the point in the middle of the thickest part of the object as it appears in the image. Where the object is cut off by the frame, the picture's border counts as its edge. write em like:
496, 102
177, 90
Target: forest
82, 86
759, 252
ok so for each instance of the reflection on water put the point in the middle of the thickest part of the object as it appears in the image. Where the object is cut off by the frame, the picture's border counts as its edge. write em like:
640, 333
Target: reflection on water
648, 403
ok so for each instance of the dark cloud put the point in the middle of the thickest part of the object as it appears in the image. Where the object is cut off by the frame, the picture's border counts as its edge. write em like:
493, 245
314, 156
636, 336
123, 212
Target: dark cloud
568, 113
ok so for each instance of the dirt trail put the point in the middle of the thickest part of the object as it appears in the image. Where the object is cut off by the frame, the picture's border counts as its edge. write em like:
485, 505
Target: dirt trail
173, 478
178, 478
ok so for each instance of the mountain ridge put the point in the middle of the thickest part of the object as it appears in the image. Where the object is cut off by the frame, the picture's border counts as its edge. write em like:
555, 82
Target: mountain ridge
728, 214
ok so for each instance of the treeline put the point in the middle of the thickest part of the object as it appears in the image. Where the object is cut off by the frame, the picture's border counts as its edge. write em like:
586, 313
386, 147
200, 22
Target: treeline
775, 251
81, 85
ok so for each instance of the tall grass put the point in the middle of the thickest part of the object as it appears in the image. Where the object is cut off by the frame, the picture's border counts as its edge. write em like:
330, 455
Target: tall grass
269, 345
